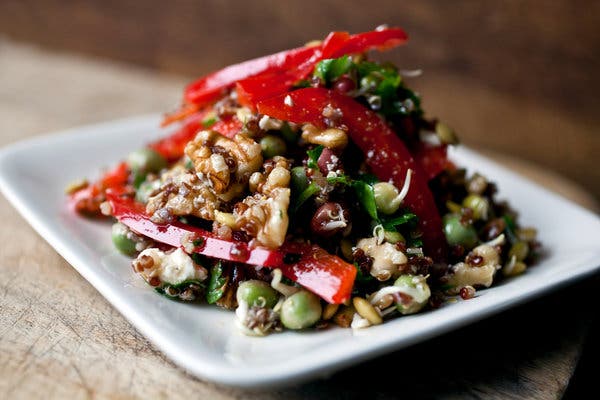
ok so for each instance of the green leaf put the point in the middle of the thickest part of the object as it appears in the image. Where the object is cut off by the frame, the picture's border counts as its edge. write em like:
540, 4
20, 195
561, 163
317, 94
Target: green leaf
366, 197
310, 191
391, 224
313, 157
209, 121
216, 284
340, 179
330, 69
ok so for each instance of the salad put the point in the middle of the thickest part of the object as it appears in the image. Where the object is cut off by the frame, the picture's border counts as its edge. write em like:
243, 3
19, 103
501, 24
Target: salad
305, 189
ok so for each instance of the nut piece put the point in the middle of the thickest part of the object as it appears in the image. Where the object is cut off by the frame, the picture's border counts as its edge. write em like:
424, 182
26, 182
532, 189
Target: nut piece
224, 162
387, 259
264, 215
332, 138
366, 310
182, 193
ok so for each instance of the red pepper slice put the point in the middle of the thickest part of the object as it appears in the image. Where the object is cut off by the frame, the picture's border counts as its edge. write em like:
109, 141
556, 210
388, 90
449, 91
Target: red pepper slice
318, 269
88, 199
433, 159
256, 88
386, 154
326, 275
212, 86
301, 60
172, 147
383, 39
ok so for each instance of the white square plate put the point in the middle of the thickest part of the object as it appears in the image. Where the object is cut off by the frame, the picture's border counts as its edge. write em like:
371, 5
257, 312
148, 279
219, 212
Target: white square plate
203, 339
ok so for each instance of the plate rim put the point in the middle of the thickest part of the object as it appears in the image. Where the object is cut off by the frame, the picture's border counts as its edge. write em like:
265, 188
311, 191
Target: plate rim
278, 377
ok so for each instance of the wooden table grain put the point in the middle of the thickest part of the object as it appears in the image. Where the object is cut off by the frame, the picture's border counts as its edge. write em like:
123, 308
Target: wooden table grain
59, 338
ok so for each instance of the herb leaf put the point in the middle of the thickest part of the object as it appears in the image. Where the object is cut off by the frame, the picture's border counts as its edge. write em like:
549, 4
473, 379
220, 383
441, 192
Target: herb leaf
310, 191
366, 197
332, 68
313, 157
391, 224
216, 284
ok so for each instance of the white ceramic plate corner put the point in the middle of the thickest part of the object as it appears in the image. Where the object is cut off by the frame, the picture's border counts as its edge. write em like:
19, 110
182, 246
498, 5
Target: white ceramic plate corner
204, 340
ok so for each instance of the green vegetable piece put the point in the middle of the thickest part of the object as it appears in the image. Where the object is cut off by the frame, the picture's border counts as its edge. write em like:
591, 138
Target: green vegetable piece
313, 157
386, 197
416, 293
121, 238
146, 160
394, 222
300, 310
519, 250
458, 233
366, 197
288, 133
272, 146
216, 284
478, 204
310, 191
257, 293
330, 69
299, 181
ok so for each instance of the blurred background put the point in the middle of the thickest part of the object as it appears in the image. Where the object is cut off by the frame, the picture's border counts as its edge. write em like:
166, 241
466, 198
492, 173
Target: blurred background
515, 77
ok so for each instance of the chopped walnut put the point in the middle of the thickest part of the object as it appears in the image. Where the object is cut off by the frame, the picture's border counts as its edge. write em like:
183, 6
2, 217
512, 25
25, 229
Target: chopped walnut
226, 163
264, 215
182, 193
388, 261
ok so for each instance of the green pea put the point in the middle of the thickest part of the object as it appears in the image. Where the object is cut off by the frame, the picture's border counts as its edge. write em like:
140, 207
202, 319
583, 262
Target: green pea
272, 146
257, 293
386, 197
300, 310
146, 160
519, 250
299, 180
417, 293
478, 204
122, 240
458, 233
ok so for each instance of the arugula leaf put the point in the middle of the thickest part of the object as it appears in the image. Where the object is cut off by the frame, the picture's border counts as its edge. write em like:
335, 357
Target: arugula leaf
366, 197
313, 157
216, 284
310, 191
332, 68
391, 224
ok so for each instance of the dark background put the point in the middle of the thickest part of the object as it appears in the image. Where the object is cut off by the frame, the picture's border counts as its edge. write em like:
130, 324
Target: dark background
518, 77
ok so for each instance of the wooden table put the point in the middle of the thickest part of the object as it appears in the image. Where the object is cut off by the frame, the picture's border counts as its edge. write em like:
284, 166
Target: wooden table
60, 339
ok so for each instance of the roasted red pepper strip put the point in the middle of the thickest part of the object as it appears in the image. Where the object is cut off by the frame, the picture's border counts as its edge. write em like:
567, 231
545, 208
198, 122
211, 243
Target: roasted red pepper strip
87, 200
324, 274
254, 89
300, 60
212, 86
173, 146
316, 268
433, 159
383, 39
386, 154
